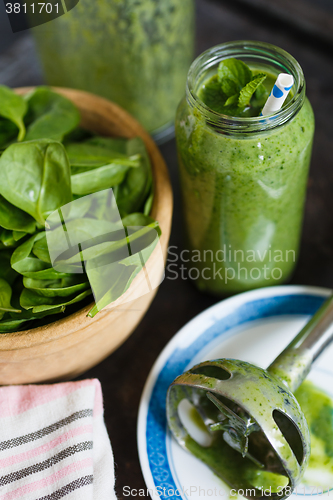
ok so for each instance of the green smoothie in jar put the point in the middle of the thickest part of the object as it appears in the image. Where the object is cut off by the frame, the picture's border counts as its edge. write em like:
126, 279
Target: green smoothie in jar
243, 177
134, 52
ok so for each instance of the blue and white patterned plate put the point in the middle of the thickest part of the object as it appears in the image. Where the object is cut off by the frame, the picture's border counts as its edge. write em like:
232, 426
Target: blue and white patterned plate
254, 326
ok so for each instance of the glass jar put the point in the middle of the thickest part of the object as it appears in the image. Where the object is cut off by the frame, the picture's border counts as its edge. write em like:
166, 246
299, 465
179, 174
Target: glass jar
243, 179
134, 52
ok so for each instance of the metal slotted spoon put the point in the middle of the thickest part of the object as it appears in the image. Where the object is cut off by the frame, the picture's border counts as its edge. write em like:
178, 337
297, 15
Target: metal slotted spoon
252, 413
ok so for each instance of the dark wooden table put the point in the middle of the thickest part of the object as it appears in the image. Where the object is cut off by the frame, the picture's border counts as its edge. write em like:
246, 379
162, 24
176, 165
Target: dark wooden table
124, 373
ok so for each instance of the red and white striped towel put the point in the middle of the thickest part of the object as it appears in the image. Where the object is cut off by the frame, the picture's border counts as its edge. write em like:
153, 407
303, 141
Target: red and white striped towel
54, 443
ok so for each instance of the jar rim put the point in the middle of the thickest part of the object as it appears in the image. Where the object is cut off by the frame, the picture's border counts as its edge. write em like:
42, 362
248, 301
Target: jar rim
242, 49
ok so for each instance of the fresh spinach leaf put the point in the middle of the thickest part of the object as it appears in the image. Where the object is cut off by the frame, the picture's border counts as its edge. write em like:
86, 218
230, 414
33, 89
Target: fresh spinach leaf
35, 177
8, 133
50, 115
13, 322
6, 271
14, 219
134, 190
81, 231
5, 299
92, 181
79, 134
10, 239
114, 250
149, 202
56, 288
105, 293
25, 263
18, 235
23, 253
139, 219
89, 155
35, 269
112, 144
13, 107
11, 325
123, 273
40, 249
7, 239
38, 303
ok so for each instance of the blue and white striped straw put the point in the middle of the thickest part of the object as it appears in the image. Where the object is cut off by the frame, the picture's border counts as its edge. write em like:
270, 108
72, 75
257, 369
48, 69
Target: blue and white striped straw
281, 89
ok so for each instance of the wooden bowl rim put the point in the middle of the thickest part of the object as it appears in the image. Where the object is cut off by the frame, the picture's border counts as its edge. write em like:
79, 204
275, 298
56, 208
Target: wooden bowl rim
79, 319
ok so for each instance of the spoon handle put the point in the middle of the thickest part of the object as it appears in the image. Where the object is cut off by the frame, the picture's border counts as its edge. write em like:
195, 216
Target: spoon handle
294, 363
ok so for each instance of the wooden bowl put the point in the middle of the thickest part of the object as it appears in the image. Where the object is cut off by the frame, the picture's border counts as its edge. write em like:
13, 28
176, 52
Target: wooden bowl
66, 348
